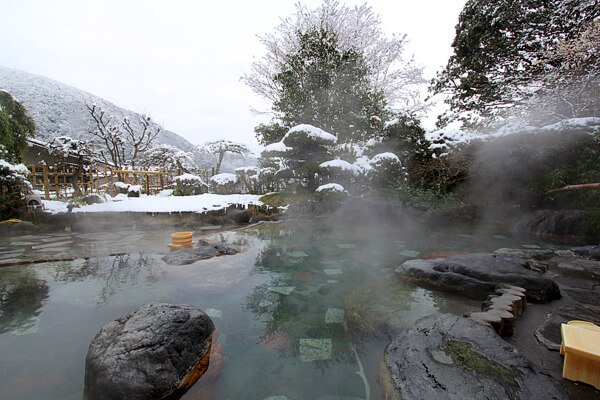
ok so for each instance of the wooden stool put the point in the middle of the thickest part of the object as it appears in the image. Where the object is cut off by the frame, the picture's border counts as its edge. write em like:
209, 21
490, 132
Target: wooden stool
581, 348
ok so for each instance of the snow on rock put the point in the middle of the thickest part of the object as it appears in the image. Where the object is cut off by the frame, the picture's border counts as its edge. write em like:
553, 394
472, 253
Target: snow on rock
189, 178
337, 164
121, 185
200, 203
306, 131
331, 187
224, 178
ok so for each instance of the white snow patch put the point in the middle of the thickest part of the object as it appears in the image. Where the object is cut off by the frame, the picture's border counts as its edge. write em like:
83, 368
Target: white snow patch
331, 187
277, 147
189, 178
381, 157
224, 178
312, 132
337, 164
199, 204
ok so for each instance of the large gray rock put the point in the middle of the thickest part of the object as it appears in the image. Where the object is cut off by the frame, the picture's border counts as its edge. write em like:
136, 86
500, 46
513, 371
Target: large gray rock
561, 225
450, 357
477, 275
157, 352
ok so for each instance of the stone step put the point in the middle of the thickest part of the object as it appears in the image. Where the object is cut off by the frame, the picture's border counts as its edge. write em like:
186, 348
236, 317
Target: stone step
501, 308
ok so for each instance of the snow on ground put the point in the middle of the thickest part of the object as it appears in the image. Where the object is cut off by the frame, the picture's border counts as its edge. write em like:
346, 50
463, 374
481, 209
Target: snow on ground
199, 203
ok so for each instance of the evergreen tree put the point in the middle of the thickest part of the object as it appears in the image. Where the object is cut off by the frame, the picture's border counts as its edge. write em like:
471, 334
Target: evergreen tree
15, 127
326, 87
502, 51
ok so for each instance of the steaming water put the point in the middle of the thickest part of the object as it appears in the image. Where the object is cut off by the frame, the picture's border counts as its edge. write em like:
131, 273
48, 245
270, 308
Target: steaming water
293, 309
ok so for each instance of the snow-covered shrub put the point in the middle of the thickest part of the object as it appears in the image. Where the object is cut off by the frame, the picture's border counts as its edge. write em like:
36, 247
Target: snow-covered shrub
331, 195
331, 188
386, 169
266, 179
134, 190
13, 187
224, 183
248, 179
189, 185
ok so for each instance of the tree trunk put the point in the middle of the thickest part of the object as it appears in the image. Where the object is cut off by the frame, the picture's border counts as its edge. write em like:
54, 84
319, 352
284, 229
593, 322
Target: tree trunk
576, 187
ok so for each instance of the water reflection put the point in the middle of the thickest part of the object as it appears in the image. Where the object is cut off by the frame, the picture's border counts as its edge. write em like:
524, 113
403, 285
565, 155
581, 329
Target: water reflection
327, 295
22, 296
112, 274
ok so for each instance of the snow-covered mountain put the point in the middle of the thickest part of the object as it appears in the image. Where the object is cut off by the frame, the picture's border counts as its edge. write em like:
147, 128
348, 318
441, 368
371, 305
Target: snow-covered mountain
59, 109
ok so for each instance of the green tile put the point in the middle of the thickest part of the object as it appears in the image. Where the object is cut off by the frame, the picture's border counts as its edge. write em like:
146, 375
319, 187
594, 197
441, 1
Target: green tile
315, 349
334, 316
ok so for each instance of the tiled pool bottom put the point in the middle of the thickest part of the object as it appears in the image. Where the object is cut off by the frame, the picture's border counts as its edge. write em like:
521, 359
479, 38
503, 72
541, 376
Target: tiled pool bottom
303, 313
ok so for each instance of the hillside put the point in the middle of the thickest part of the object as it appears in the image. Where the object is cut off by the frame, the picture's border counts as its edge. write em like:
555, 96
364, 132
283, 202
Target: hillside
59, 109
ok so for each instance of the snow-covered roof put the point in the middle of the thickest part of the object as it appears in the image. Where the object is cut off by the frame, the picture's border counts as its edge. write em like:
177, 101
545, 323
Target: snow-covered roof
313, 133
331, 187
224, 178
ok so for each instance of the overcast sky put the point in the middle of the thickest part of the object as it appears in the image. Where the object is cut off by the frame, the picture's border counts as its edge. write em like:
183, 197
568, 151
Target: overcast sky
180, 61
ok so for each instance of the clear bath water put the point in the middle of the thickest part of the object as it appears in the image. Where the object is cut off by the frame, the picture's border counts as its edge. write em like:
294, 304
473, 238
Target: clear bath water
303, 311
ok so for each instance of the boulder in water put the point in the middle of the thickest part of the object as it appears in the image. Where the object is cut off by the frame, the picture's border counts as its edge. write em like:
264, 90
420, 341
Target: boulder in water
157, 352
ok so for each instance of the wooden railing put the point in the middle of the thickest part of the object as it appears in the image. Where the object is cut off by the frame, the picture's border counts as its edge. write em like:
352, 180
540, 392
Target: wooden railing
62, 181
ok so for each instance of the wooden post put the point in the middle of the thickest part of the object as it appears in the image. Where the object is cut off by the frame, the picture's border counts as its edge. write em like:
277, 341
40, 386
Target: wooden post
33, 175
45, 181
56, 187
91, 177
126, 175
147, 184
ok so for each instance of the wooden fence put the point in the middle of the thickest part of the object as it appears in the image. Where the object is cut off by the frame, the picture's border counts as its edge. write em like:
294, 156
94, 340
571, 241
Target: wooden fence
63, 181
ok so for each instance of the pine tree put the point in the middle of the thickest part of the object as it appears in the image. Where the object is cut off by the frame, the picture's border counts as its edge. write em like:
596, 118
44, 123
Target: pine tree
502, 51
15, 127
326, 87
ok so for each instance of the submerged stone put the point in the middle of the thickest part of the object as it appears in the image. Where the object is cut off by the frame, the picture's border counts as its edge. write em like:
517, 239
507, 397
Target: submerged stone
332, 271
213, 313
204, 251
315, 349
409, 253
284, 290
346, 245
297, 254
531, 246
